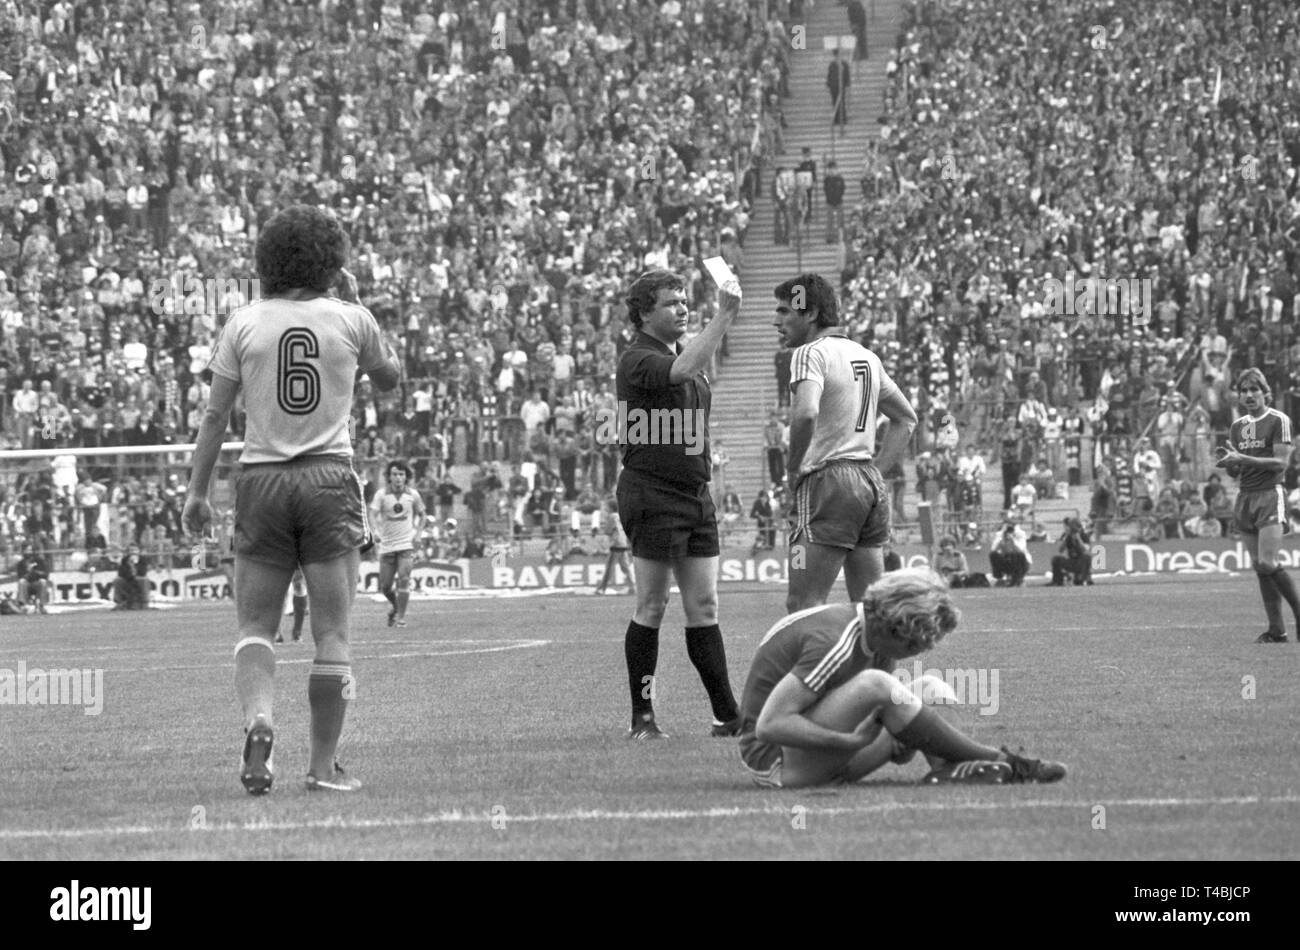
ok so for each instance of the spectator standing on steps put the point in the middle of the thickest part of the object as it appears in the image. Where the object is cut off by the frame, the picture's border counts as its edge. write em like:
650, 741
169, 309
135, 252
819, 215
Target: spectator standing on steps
838, 80
833, 187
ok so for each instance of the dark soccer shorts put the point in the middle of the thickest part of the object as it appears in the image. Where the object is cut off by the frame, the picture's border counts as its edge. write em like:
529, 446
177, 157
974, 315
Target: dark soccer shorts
1259, 509
298, 512
762, 760
664, 521
844, 505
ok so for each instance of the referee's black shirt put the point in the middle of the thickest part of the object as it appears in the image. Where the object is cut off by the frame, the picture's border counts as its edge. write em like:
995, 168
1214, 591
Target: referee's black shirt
642, 386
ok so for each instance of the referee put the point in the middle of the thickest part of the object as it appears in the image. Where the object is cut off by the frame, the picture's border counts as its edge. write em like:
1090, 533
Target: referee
663, 494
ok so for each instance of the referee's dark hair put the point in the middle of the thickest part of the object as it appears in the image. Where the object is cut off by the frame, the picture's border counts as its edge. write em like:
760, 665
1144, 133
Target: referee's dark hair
300, 246
811, 291
643, 295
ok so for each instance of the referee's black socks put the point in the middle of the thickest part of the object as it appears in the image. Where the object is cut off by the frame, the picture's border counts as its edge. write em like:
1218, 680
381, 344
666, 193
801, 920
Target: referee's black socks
704, 647
1286, 587
641, 647
1272, 598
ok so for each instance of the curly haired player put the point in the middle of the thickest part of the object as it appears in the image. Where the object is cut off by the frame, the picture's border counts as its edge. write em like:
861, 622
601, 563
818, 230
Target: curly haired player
1259, 444
821, 707
295, 354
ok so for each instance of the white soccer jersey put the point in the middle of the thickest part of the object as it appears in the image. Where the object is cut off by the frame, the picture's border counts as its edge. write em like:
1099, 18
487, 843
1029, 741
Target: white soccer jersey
392, 518
853, 381
297, 361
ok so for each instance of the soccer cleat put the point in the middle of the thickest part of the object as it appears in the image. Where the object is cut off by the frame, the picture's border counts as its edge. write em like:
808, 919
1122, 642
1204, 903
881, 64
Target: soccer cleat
1032, 770
279, 639
643, 727
336, 782
256, 767
1270, 636
726, 730
399, 622
392, 617
974, 772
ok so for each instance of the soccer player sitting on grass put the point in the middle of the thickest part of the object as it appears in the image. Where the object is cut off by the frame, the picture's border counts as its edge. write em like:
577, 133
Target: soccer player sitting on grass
1259, 445
821, 707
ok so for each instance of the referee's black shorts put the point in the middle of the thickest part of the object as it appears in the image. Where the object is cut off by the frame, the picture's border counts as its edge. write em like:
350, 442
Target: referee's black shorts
665, 521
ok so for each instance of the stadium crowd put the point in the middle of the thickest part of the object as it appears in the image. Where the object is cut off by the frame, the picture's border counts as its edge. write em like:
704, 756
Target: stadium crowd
502, 170
1027, 149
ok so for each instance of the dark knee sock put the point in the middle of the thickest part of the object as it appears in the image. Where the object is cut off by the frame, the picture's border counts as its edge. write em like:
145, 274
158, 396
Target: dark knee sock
704, 647
932, 734
1286, 587
329, 686
641, 648
1272, 601
299, 614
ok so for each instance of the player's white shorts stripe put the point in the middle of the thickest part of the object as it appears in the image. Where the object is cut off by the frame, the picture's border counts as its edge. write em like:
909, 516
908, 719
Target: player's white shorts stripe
365, 511
1281, 504
802, 506
768, 779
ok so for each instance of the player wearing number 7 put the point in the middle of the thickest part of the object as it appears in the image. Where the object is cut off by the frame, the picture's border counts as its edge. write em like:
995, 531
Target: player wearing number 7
838, 392
296, 354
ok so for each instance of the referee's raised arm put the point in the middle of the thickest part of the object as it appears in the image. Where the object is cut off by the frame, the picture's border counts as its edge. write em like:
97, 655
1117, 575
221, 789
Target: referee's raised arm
696, 354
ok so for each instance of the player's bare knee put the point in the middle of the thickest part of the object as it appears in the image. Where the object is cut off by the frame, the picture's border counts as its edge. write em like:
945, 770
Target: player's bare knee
651, 611
877, 687
701, 611
933, 691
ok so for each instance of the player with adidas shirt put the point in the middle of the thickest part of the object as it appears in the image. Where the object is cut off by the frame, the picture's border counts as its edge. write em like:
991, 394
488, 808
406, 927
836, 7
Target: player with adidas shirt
396, 516
1259, 444
821, 706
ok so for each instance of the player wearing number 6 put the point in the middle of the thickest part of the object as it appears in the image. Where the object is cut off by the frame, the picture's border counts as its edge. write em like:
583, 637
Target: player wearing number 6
296, 354
838, 392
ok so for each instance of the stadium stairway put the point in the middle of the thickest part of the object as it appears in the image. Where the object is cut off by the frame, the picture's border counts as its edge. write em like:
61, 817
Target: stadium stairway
745, 390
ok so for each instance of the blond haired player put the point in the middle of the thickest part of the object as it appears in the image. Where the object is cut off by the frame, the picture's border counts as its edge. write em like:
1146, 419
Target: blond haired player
396, 516
296, 355
839, 389
821, 707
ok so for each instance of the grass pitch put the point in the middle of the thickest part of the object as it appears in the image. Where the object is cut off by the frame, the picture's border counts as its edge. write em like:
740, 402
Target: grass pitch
494, 728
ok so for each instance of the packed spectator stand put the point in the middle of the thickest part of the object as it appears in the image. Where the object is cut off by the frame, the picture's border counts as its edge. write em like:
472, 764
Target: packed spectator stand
505, 169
